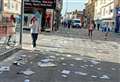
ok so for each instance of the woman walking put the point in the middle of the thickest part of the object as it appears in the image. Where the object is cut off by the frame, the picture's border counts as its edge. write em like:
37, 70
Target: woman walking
35, 28
90, 29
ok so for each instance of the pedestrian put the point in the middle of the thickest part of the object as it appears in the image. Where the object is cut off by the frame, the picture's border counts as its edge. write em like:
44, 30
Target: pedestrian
98, 27
35, 29
90, 29
69, 24
106, 30
12, 23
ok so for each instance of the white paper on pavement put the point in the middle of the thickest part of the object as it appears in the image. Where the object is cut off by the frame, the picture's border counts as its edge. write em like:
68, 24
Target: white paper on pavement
94, 62
52, 57
47, 60
48, 64
99, 68
28, 72
64, 64
64, 76
78, 59
113, 69
69, 55
4, 68
81, 73
105, 77
71, 65
62, 58
66, 72
94, 76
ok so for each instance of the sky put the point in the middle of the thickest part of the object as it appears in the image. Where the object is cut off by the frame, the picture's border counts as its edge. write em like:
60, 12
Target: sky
71, 5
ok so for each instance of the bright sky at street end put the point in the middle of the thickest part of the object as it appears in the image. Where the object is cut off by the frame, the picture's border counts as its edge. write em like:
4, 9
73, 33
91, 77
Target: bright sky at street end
71, 5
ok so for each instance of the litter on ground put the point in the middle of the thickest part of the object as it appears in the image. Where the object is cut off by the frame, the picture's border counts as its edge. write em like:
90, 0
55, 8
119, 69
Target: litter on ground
105, 77
28, 72
48, 64
4, 68
66, 72
81, 73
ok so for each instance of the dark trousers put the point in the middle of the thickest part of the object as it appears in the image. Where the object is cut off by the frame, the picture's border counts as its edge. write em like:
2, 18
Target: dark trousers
34, 39
90, 33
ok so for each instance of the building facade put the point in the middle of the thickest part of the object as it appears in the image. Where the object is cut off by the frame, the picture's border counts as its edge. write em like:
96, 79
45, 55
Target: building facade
89, 9
104, 12
11, 7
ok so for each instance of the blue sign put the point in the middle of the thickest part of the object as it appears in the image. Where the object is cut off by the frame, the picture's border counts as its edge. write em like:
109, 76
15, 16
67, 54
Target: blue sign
117, 28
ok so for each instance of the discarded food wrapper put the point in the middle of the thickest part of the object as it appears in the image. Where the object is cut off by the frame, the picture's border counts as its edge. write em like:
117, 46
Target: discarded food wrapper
49, 64
4, 68
105, 77
28, 72
66, 72
81, 73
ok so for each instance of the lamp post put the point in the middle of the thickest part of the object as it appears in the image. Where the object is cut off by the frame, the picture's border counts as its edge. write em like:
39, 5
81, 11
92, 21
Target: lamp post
21, 25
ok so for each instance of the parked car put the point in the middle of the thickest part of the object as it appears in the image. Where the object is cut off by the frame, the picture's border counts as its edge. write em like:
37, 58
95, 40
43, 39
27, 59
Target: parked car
76, 23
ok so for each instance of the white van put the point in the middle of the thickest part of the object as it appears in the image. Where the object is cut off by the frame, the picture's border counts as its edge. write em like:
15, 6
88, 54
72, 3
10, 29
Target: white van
76, 23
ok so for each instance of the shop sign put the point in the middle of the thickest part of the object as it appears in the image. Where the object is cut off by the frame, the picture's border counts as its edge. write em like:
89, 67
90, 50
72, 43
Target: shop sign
39, 4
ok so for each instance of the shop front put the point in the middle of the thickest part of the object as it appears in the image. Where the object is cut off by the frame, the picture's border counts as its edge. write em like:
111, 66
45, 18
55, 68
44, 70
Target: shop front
43, 10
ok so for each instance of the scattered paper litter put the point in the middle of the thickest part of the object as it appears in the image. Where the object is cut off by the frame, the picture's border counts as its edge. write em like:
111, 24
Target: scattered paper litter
69, 56
47, 60
98, 68
94, 76
91, 65
82, 66
49, 64
105, 77
4, 68
66, 72
86, 65
64, 64
94, 62
72, 65
64, 76
52, 57
113, 69
78, 59
28, 72
62, 58
81, 73
57, 54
